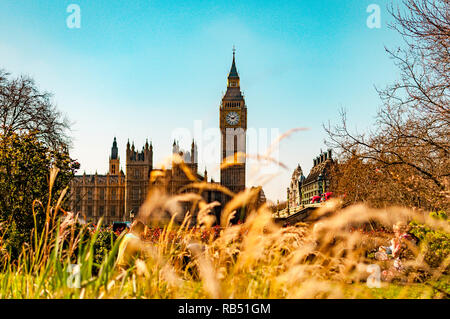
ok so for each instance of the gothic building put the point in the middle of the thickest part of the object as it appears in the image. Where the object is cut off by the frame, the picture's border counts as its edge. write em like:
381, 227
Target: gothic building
97, 195
233, 127
318, 180
301, 190
294, 191
138, 168
117, 195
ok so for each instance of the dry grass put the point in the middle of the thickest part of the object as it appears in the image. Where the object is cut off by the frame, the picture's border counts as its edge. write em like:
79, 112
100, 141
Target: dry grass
320, 258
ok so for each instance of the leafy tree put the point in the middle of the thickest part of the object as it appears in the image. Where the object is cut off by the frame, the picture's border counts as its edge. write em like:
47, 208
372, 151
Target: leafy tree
25, 163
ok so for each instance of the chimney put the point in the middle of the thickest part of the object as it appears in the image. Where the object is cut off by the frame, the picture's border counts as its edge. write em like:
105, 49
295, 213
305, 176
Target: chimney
329, 153
314, 161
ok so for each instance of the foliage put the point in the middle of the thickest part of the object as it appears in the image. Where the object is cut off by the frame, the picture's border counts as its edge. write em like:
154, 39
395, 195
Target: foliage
439, 215
321, 258
104, 243
24, 165
356, 180
435, 244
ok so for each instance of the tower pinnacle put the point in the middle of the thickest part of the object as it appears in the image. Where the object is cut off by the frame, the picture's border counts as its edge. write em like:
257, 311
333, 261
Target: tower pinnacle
233, 71
114, 149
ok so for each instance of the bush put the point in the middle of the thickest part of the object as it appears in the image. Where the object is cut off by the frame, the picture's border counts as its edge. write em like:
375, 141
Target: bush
24, 165
103, 245
434, 244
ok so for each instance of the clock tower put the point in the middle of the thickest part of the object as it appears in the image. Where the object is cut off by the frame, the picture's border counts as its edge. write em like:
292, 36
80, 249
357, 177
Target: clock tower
233, 127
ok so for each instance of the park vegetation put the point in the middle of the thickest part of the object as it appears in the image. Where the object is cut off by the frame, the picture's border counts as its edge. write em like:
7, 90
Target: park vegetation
330, 255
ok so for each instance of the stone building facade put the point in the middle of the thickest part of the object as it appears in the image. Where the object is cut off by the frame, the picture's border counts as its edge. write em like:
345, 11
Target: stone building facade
318, 180
294, 191
97, 195
139, 164
117, 196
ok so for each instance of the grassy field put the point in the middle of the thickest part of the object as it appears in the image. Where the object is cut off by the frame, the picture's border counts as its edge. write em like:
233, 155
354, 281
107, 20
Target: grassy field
321, 258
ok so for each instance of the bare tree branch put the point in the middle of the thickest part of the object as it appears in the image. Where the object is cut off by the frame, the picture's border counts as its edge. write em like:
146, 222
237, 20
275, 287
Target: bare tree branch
411, 141
23, 108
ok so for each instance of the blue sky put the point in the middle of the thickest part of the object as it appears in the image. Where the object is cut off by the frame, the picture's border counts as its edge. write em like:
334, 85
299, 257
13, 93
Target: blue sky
140, 69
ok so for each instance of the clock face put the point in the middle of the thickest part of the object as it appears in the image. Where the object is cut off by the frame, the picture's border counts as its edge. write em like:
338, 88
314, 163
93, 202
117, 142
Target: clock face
232, 118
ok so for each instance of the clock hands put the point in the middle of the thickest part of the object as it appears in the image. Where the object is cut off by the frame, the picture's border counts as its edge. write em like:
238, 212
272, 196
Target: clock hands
233, 118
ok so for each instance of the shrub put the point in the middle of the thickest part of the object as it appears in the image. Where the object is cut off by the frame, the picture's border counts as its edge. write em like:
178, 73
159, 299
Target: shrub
24, 165
434, 244
103, 245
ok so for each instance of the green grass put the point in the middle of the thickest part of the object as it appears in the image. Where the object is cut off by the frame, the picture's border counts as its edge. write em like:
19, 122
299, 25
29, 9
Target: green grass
397, 291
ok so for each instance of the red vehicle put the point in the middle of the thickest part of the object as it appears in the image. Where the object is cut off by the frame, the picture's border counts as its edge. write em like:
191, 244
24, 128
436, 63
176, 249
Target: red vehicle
323, 198
315, 199
328, 195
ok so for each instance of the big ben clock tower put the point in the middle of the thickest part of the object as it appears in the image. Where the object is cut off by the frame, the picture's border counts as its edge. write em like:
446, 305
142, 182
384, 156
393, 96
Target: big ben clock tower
233, 127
